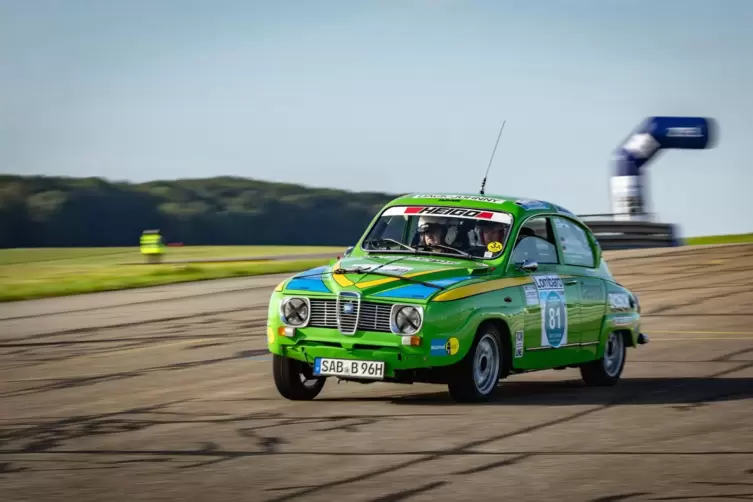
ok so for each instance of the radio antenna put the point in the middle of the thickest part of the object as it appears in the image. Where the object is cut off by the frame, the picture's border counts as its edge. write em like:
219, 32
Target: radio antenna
483, 183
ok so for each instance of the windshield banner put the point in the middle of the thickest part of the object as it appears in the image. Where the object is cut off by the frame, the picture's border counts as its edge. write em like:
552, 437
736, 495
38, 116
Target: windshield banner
449, 212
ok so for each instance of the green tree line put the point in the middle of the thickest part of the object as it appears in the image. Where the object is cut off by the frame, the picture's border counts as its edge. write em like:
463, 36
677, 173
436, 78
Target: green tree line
43, 211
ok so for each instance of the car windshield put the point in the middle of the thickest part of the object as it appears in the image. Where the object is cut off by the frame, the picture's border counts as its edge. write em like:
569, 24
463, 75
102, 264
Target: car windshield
457, 231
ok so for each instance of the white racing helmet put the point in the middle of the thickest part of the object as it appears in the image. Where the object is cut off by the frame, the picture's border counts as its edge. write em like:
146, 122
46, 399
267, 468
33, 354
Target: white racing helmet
424, 222
447, 225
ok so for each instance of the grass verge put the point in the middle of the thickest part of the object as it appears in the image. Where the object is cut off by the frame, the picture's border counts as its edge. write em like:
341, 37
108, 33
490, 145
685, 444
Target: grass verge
120, 255
719, 239
26, 282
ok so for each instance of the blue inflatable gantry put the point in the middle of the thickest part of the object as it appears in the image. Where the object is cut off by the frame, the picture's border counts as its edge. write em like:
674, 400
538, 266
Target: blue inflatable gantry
646, 142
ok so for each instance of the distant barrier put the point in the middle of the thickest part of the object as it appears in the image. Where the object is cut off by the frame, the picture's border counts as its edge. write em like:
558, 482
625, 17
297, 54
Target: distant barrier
614, 233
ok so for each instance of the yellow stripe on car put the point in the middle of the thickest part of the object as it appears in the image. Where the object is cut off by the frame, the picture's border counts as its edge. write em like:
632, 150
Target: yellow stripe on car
481, 287
386, 280
340, 278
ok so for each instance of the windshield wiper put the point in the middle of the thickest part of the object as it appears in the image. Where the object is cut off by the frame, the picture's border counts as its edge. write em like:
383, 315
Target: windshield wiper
449, 248
417, 250
341, 271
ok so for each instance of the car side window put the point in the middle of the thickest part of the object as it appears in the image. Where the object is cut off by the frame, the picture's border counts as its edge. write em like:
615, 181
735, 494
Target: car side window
576, 248
535, 242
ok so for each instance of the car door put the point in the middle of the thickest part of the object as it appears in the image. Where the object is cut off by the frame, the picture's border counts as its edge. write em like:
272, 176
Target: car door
551, 324
578, 258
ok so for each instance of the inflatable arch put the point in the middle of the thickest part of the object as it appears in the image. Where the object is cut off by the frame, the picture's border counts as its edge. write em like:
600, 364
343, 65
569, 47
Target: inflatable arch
646, 142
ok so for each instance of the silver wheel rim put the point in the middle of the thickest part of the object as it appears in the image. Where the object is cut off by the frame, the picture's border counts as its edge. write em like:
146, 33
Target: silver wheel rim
308, 382
614, 353
486, 364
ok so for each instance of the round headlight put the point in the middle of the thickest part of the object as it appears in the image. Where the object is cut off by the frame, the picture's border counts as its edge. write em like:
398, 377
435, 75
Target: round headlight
294, 311
406, 319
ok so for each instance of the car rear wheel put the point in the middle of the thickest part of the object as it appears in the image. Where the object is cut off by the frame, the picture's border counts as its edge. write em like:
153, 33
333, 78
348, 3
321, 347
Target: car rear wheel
607, 370
475, 378
294, 380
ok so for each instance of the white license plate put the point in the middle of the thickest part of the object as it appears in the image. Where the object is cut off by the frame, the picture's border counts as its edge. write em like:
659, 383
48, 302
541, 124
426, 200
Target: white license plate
348, 368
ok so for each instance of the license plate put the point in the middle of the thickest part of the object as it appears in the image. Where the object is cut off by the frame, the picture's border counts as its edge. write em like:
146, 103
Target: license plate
349, 368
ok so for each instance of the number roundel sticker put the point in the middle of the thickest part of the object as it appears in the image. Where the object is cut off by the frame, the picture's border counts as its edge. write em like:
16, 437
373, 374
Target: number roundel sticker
554, 323
552, 299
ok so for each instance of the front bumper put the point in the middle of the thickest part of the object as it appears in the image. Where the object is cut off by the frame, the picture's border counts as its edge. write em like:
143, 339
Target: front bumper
309, 343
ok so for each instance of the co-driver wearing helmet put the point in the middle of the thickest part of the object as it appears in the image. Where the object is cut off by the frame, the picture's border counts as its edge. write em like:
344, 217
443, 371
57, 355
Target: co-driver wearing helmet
490, 231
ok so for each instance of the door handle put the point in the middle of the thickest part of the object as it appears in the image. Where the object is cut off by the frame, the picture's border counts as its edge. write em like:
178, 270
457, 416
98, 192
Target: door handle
570, 282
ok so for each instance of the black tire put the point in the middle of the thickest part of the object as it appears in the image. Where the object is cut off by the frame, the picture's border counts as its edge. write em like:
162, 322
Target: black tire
487, 348
606, 372
294, 379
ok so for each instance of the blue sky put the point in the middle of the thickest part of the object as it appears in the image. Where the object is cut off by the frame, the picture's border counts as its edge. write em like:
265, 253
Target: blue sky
394, 96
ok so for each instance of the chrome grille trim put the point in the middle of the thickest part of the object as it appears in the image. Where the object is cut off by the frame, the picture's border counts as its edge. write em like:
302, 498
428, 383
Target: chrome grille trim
371, 316
347, 320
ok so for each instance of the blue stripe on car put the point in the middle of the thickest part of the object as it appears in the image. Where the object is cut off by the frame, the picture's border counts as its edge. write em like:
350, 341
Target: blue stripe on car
419, 291
315, 284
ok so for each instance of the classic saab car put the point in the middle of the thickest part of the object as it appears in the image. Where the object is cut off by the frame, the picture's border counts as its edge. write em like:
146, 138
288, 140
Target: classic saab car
455, 289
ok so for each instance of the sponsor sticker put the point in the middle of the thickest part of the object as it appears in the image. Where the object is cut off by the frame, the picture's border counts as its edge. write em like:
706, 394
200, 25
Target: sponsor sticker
437, 347
561, 209
494, 247
623, 320
444, 346
532, 295
477, 198
519, 344
449, 212
553, 310
395, 269
619, 301
429, 260
532, 204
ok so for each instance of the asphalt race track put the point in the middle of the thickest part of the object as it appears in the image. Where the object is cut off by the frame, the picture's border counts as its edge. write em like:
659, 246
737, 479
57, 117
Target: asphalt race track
166, 394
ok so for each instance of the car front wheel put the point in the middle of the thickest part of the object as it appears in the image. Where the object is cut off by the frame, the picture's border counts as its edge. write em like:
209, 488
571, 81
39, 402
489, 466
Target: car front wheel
475, 378
294, 380
607, 370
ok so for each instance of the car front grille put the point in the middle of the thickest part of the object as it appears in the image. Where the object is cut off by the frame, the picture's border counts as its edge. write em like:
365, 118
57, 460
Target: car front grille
366, 316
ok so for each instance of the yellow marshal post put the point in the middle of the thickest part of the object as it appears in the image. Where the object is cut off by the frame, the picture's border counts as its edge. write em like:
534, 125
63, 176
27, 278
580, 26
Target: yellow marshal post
152, 248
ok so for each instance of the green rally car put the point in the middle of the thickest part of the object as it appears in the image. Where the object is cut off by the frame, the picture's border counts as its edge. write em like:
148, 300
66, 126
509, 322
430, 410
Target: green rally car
455, 289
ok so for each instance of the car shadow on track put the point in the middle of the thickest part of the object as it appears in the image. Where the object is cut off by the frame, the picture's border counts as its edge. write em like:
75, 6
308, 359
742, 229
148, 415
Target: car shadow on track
682, 392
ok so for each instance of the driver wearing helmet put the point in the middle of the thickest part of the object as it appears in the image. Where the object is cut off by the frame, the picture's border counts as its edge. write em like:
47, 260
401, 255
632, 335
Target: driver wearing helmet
432, 230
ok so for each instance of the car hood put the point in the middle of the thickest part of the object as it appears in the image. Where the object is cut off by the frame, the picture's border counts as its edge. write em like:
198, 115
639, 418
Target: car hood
407, 269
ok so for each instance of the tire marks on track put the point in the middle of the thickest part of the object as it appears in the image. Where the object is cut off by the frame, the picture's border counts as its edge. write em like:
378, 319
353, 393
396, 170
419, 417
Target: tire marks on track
136, 303
193, 419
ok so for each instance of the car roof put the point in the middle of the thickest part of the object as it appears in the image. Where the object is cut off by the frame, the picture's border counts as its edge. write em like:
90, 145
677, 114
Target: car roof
516, 205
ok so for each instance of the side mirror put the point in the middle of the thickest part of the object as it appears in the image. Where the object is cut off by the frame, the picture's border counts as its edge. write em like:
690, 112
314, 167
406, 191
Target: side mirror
529, 266
348, 250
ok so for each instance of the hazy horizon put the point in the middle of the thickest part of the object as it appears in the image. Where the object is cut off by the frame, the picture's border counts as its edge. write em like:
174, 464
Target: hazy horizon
390, 97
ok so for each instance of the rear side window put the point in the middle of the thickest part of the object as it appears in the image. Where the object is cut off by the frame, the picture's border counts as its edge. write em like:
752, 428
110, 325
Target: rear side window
576, 248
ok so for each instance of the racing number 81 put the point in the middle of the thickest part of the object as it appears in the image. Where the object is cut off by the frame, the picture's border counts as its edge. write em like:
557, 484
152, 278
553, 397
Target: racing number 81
555, 316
